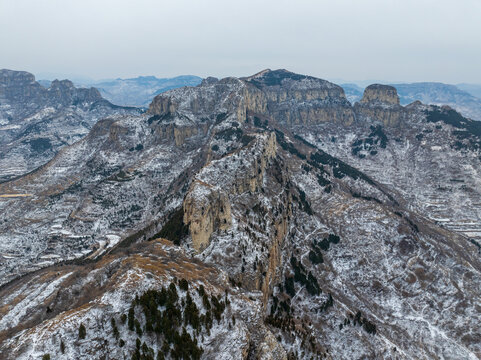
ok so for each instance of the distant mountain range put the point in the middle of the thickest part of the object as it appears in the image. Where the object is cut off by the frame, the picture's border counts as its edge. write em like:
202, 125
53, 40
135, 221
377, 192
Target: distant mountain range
461, 97
473, 89
137, 91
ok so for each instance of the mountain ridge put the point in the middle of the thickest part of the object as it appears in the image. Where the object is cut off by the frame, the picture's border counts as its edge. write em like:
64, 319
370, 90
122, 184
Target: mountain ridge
326, 220
36, 122
141, 90
435, 93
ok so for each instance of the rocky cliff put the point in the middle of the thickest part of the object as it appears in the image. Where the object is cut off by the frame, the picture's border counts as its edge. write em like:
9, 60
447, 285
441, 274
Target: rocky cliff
18, 85
317, 229
383, 94
207, 204
380, 103
298, 99
36, 122
21, 94
458, 97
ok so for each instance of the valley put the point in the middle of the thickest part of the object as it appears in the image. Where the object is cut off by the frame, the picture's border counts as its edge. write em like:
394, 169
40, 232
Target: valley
263, 217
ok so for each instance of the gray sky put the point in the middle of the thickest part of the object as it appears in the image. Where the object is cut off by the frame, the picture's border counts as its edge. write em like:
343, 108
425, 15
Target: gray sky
391, 40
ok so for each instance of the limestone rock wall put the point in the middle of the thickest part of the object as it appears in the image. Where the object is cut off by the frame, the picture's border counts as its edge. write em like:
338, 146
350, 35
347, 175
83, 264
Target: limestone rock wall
297, 99
380, 93
254, 100
380, 103
275, 253
388, 116
207, 205
161, 105
315, 115
20, 87
205, 210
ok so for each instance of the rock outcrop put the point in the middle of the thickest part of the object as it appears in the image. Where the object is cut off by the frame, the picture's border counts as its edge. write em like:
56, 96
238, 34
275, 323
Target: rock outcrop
206, 209
380, 104
64, 93
19, 85
318, 236
22, 93
179, 134
36, 122
207, 206
377, 93
162, 105
296, 99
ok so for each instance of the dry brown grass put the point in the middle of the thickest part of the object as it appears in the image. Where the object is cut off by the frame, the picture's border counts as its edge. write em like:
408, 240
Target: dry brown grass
126, 269
15, 195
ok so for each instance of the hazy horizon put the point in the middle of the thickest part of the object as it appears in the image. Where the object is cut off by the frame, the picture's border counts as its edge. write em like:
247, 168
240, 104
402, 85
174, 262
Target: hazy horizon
385, 40
79, 79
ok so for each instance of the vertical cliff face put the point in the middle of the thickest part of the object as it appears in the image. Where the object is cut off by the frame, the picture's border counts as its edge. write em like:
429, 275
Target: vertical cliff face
383, 94
15, 85
183, 113
201, 102
207, 205
65, 93
206, 209
287, 98
380, 103
20, 87
255, 101
239, 210
274, 259
298, 99
162, 105
321, 252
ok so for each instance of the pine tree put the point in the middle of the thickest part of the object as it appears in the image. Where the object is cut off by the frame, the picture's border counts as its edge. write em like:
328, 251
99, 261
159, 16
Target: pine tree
82, 332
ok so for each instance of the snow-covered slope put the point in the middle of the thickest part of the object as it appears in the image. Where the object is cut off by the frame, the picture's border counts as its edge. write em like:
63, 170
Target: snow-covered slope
456, 96
336, 231
36, 122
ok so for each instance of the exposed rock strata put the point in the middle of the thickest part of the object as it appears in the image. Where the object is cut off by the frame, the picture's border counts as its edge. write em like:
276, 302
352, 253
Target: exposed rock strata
207, 206
36, 122
331, 237
380, 103
380, 93
297, 99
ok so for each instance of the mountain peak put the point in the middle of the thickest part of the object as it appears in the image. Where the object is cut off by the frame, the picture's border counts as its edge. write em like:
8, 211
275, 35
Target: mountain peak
62, 84
322, 229
270, 77
7, 76
380, 93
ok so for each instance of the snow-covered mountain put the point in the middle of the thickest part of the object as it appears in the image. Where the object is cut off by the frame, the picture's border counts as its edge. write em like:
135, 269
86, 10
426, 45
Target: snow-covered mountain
458, 97
255, 218
441, 94
36, 122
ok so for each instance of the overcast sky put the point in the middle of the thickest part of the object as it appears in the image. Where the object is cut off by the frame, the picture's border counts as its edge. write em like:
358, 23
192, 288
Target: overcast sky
390, 40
